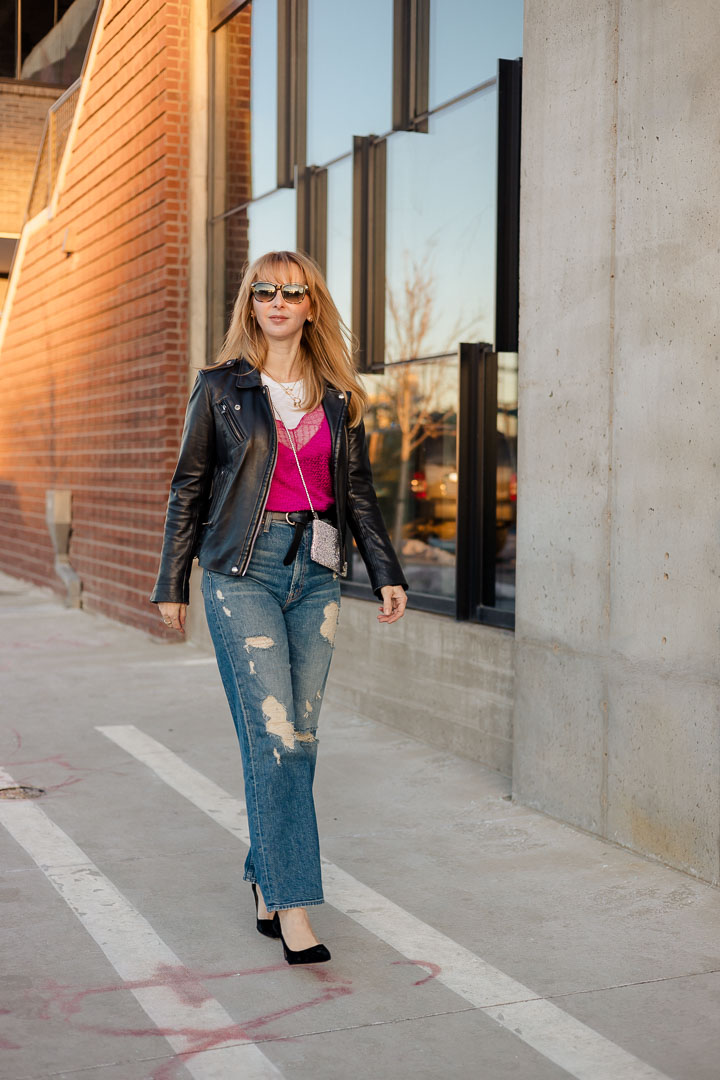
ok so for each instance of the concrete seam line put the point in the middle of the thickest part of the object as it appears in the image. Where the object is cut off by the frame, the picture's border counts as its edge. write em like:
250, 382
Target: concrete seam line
214, 1047
557, 1035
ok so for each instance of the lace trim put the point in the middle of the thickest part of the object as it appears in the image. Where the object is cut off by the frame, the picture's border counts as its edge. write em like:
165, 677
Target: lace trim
308, 427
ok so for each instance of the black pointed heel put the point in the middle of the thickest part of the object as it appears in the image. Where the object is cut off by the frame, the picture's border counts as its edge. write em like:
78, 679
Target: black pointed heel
316, 954
268, 927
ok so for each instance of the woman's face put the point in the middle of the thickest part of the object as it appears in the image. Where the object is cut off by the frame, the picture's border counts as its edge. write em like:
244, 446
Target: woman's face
277, 319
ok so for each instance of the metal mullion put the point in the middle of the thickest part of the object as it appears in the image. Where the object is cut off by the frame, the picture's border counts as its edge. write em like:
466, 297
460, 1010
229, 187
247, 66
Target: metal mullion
376, 255
420, 63
411, 52
361, 155
300, 51
311, 214
487, 490
508, 205
468, 466
285, 96
477, 481
401, 66
318, 218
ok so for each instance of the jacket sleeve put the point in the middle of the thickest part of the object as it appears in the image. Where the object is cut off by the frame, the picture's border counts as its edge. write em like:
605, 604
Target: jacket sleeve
185, 502
365, 518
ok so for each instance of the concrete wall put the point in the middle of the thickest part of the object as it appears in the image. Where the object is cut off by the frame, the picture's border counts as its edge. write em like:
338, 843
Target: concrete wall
617, 694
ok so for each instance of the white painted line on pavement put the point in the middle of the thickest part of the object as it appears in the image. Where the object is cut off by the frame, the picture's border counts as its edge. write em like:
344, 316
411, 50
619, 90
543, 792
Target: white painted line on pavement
575, 1047
137, 953
192, 662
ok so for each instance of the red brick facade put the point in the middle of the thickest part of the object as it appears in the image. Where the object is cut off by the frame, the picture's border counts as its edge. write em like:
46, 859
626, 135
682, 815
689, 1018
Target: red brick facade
23, 108
94, 366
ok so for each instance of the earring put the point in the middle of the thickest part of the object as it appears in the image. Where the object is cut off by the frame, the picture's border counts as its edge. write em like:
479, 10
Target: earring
309, 318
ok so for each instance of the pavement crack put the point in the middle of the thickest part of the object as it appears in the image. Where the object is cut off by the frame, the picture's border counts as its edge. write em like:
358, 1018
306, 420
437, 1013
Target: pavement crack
637, 982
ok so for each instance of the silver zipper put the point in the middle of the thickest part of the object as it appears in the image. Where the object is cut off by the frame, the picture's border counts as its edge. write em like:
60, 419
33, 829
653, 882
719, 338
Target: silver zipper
267, 495
231, 423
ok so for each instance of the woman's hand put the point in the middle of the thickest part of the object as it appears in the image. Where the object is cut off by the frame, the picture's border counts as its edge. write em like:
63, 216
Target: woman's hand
394, 603
174, 615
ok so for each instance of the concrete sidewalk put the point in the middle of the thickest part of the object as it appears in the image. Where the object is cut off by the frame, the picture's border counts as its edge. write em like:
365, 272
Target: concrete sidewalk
470, 936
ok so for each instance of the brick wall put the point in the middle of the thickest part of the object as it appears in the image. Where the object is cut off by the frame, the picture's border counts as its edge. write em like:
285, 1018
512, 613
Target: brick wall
23, 109
93, 372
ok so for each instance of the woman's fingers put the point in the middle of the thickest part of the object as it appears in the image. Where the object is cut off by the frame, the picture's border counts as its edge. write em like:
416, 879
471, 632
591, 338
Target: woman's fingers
173, 615
394, 603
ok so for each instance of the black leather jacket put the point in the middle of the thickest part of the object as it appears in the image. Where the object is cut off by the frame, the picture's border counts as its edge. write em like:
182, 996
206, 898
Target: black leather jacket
222, 479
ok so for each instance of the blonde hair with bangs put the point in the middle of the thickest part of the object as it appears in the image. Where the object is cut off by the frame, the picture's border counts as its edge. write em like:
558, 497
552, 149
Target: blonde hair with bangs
326, 345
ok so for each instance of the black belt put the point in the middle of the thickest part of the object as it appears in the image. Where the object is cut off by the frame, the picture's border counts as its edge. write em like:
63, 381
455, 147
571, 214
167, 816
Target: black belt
300, 519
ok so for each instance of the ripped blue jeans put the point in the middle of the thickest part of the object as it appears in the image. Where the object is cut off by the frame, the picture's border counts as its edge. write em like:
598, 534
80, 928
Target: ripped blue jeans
274, 632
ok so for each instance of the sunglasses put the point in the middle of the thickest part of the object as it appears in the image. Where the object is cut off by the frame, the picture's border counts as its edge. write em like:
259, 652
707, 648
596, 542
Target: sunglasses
264, 291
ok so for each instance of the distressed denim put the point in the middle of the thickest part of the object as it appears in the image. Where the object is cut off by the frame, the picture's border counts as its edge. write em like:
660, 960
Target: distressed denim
273, 631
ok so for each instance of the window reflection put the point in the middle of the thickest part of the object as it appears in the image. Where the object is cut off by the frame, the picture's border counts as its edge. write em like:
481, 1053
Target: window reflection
440, 231
412, 435
506, 502
466, 39
339, 236
263, 91
229, 252
244, 135
349, 85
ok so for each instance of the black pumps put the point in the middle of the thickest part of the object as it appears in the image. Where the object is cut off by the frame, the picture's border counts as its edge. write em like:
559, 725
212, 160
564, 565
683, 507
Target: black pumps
316, 954
271, 928
268, 927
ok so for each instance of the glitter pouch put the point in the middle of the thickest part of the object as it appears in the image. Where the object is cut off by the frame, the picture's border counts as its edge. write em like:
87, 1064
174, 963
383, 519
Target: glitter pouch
325, 546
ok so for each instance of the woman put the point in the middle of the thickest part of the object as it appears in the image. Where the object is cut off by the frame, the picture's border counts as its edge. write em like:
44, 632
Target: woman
273, 455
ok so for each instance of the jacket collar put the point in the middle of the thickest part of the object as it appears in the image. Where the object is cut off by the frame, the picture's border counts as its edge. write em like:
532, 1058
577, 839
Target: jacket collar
247, 374
250, 376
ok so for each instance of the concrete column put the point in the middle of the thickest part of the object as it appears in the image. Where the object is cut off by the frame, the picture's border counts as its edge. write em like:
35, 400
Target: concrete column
617, 693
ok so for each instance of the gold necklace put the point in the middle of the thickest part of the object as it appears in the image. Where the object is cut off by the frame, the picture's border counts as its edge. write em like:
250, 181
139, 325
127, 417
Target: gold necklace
297, 401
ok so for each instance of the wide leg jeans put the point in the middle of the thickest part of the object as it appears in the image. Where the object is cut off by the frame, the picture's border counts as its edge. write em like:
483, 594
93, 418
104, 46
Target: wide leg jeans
274, 630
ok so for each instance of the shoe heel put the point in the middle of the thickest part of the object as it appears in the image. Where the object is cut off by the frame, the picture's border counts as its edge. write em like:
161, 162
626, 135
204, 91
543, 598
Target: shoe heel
267, 927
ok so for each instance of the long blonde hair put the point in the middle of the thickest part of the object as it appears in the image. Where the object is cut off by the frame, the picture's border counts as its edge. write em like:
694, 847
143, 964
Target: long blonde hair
326, 346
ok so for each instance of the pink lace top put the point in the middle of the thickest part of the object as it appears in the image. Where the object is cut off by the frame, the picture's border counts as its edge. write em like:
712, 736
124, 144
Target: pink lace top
313, 443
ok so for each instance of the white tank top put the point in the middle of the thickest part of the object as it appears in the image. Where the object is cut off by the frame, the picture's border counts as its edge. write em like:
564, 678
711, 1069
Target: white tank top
282, 402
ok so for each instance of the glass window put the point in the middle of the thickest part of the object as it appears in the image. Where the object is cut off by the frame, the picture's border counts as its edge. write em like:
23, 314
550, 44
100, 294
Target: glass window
272, 225
339, 236
228, 259
245, 74
506, 501
466, 39
349, 75
411, 427
440, 231
263, 92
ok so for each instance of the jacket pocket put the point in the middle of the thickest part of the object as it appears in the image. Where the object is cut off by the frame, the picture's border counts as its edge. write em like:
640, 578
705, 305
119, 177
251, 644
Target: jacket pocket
220, 484
227, 411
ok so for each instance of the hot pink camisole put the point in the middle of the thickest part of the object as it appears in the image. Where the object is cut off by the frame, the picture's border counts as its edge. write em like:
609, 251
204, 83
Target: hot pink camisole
313, 443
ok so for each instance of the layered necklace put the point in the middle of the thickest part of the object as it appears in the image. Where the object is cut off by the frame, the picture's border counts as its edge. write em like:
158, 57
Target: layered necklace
292, 393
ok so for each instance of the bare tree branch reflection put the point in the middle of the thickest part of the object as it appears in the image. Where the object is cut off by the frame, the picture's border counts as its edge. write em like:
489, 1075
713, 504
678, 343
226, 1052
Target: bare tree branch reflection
414, 396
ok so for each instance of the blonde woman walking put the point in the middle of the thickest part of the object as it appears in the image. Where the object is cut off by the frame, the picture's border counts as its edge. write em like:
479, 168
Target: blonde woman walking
273, 464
